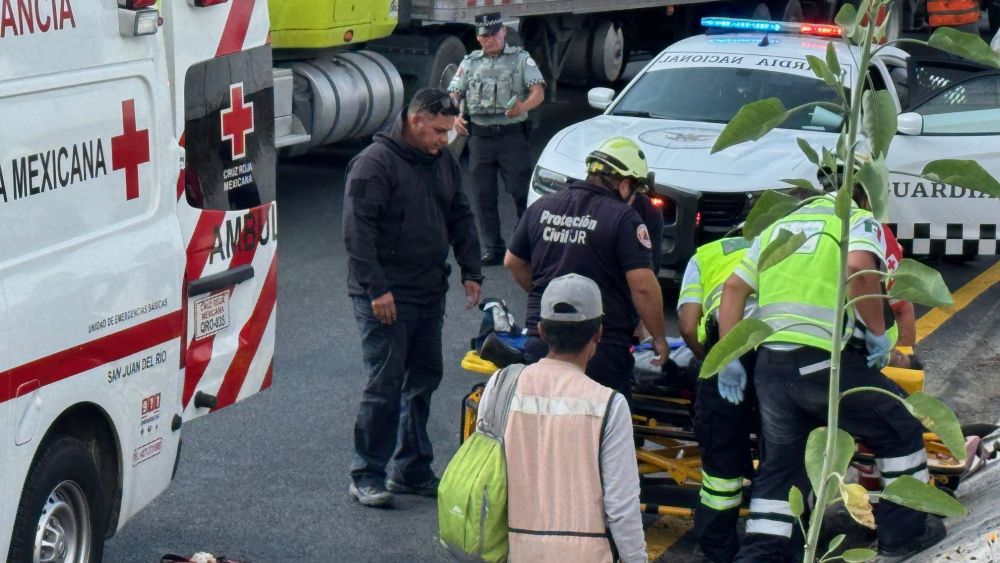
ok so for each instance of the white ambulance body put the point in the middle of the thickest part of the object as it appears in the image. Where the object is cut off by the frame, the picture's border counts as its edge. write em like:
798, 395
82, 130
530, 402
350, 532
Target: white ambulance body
137, 251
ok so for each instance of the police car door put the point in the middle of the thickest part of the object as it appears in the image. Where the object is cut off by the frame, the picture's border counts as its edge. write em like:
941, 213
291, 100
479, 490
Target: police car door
952, 112
226, 200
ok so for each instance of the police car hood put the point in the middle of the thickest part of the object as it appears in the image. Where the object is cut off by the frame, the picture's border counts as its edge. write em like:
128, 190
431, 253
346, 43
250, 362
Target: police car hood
680, 153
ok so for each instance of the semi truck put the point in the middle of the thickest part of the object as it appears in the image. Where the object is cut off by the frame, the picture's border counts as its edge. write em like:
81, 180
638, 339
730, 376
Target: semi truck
345, 67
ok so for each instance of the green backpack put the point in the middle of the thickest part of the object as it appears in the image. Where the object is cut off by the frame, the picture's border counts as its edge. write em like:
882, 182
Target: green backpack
472, 496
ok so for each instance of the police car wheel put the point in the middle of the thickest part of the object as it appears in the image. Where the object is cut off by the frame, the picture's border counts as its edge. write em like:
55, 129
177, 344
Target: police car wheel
59, 517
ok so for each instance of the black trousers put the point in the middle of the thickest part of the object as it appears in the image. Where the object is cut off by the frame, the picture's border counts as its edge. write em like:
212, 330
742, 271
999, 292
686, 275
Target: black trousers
508, 156
792, 396
723, 432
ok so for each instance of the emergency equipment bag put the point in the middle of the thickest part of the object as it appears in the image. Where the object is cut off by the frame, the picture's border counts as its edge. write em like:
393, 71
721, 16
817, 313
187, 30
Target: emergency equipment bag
472, 496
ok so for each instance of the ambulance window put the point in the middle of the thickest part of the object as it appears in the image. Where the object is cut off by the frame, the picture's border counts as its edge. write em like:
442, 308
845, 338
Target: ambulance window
971, 107
229, 132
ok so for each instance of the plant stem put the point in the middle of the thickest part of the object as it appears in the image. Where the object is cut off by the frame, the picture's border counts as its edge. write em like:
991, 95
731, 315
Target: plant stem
833, 400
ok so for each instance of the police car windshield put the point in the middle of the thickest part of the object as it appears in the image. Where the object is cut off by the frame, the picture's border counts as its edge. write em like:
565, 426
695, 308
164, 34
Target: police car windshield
714, 95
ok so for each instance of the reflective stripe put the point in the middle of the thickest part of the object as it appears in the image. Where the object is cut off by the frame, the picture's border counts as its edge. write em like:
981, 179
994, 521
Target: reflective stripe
770, 527
721, 484
802, 326
902, 464
813, 368
557, 406
717, 502
762, 505
812, 312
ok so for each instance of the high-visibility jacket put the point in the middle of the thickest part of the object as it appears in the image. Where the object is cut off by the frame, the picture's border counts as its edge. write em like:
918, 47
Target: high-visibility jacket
552, 443
798, 295
952, 12
716, 262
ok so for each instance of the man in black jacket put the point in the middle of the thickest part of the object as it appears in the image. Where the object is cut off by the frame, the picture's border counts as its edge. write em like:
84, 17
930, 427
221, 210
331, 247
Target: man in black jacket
403, 208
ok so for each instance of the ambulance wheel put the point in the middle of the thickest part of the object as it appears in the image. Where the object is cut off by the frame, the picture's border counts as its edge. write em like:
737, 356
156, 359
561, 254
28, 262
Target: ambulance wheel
60, 517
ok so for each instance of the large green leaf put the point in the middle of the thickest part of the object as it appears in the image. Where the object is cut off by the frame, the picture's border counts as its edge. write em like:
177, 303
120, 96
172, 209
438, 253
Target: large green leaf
843, 202
916, 494
816, 453
752, 122
807, 150
938, 418
746, 335
919, 283
847, 18
784, 245
967, 174
822, 71
858, 555
874, 176
801, 183
878, 117
967, 45
771, 206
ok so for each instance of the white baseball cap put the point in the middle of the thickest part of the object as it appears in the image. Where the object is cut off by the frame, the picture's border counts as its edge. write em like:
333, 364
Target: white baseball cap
572, 298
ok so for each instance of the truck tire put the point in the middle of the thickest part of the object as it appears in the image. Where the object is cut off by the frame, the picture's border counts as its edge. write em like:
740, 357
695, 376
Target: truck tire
446, 50
60, 510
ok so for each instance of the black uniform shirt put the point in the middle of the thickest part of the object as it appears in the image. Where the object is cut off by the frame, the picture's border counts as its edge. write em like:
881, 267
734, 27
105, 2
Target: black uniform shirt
586, 230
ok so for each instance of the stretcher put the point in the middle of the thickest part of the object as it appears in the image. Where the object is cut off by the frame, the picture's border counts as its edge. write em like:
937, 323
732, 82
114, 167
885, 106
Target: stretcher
669, 459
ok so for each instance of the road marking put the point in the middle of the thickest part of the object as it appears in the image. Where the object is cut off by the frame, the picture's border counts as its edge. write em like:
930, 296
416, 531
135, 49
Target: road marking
934, 318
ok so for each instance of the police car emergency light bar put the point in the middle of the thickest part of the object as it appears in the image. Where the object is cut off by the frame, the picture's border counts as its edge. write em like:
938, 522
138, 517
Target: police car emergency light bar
737, 24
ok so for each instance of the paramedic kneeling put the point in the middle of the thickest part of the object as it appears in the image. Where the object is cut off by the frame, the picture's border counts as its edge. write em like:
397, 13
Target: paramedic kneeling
572, 477
796, 295
589, 229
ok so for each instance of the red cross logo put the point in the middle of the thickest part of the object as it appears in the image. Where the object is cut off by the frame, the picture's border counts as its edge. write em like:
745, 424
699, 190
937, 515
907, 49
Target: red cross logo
130, 149
237, 121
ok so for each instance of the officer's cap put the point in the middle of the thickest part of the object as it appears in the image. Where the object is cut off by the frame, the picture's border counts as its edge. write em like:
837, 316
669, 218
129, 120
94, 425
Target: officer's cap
488, 24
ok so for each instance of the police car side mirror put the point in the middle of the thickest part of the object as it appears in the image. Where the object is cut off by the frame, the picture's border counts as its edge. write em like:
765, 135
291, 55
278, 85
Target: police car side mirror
600, 97
910, 123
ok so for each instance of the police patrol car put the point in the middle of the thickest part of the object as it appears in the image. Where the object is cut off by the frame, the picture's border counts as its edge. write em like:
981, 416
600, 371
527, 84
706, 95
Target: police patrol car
138, 268
680, 102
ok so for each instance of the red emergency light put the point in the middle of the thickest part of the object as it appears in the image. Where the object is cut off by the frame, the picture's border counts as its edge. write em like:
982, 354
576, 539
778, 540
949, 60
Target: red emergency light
821, 30
136, 4
658, 201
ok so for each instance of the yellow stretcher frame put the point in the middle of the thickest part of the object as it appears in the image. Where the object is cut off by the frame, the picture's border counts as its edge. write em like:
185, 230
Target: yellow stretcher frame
675, 453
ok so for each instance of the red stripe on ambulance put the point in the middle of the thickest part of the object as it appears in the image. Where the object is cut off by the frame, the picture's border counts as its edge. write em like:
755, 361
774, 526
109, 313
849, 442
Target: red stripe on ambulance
250, 337
89, 355
236, 29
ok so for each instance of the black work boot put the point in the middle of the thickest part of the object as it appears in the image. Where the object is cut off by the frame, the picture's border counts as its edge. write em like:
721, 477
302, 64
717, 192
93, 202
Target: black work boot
934, 531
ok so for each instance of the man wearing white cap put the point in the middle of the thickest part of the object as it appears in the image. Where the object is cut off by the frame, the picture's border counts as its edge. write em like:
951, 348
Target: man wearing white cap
572, 478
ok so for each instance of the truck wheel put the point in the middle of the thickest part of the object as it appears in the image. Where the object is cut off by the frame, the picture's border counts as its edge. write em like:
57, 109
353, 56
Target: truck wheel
60, 516
447, 50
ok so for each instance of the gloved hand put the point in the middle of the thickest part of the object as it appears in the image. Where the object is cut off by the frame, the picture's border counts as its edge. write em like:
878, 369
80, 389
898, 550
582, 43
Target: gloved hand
732, 382
878, 349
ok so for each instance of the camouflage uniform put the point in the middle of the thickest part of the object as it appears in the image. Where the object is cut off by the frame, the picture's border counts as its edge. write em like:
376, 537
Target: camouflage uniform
498, 143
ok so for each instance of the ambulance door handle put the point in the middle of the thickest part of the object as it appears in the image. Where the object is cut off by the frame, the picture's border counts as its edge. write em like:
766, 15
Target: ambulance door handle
220, 280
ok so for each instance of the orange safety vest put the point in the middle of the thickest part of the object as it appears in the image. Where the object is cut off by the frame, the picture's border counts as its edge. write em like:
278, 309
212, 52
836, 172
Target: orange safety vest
952, 12
555, 499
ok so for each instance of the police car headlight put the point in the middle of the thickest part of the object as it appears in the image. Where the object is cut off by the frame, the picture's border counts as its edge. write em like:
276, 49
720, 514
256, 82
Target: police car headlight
545, 181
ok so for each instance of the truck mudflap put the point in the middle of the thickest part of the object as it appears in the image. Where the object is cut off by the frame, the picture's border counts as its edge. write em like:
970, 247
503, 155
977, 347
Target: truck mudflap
229, 221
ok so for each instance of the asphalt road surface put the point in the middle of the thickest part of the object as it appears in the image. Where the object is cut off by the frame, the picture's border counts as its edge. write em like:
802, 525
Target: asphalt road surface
266, 480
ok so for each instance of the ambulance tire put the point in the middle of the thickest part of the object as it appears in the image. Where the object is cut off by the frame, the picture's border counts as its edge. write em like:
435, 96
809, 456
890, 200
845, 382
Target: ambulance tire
62, 491
447, 50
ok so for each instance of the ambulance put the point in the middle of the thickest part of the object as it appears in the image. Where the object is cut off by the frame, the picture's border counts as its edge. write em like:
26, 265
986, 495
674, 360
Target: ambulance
138, 236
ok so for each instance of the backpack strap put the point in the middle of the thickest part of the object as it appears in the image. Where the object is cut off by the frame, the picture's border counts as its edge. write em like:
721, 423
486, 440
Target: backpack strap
493, 421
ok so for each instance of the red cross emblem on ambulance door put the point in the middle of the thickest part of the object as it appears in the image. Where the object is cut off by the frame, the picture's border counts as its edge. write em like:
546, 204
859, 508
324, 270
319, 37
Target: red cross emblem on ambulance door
237, 121
130, 149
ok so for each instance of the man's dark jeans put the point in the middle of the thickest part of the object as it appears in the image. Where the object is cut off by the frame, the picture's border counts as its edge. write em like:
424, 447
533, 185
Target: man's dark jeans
404, 366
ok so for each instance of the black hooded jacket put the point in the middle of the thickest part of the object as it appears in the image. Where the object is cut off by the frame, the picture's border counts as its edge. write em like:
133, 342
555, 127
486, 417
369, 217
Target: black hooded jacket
402, 210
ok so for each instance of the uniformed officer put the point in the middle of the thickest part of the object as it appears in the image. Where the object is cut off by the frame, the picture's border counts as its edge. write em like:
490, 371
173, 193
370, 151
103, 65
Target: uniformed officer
797, 295
500, 85
723, 420
589, 229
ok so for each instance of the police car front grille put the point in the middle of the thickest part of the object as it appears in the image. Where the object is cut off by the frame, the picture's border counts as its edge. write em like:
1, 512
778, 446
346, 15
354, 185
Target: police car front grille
722, 210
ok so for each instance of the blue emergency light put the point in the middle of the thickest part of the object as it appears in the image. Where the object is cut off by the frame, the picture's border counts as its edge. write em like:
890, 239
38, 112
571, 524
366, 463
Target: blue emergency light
738, 24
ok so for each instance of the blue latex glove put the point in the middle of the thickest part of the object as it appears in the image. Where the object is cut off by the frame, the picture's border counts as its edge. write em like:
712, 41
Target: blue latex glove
878, 349
732, 382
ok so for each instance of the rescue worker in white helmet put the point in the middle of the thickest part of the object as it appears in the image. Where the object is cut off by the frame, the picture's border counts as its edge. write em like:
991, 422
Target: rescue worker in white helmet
589, 229
797, 295
723, 419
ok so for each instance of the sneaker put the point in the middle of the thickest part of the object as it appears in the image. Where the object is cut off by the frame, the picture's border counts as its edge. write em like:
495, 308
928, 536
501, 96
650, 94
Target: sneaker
428, 488
492, 258
371, 495
934, 532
